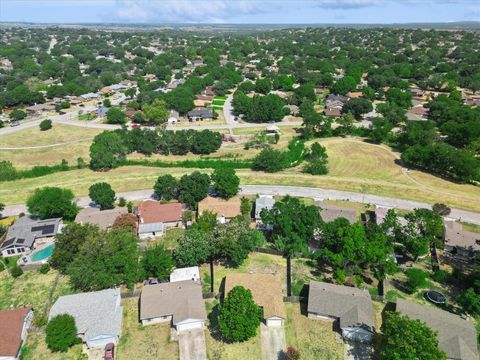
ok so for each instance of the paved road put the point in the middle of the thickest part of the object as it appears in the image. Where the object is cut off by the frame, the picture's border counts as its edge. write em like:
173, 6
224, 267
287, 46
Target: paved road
273, 342
228, 111
308, 192
192, 345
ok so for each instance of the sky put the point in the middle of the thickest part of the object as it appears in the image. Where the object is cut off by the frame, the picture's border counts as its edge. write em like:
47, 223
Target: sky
239, 11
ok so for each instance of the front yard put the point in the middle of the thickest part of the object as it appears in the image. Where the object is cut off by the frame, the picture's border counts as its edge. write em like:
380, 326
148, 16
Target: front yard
144, 342
314, 339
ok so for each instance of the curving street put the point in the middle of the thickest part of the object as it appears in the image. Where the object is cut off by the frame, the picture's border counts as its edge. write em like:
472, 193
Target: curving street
308, 192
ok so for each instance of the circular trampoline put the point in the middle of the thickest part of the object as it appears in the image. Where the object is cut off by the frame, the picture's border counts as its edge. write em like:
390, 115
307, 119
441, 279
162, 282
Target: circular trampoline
435, 297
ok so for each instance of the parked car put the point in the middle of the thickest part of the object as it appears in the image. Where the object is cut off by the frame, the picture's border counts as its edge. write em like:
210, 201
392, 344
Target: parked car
110, 351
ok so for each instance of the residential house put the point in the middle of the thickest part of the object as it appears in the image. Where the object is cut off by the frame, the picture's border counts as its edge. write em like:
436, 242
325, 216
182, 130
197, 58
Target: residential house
354, 94
331, 100
294, 109
351, 307
200, 114
39, 108
457, 337
319, 91
203, 100
180, 303
208, 91
27, 233
225, 209
89, 96
263, 202
460, 244
330, 212
104, 219
98, 315
101, 111
155, 218
14, 324
266, 292
174, 117
417, 113
333, 112
183, 274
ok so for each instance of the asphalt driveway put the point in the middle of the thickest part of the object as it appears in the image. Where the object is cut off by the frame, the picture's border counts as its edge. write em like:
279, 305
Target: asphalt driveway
192, 345
358, 351
273, 342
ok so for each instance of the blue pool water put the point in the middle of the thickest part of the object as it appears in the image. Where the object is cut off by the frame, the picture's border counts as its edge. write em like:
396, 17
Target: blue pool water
42, 254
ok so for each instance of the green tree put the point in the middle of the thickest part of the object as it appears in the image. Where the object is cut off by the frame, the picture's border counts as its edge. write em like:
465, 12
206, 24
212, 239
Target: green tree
245, 206
7, 171
317, 160
193, 188
157, 262
239, 317
346, 122
107, 151
17, 115
156, 112
45, 125
69, 242
344, 85
206, 142
193, 248
107, 103
470, 301
226, 182
294, 224
166, 187
102, 194
380, 129
270, 160
358, 107
61, 333
263, 86
106, 261
416, 278
406, 339
116, 116
51, 202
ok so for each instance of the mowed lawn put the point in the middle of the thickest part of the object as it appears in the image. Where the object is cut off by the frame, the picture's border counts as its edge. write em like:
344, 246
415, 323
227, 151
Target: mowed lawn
354, 165
73, 142
144, 342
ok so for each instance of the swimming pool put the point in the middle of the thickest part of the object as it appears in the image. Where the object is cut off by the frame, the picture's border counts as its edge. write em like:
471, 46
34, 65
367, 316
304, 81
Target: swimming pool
42, 254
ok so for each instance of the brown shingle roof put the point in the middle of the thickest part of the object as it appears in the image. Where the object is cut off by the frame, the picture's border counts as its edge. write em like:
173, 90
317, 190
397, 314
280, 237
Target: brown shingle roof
182, 299
151, 211
456, 336
332, 212
104, 219
266, 291
227, 208
11, 325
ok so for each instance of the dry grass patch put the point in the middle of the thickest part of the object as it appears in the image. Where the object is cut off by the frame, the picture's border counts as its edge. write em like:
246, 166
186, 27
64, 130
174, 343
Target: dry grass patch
314, 339
144, 342
32, 288
35, 348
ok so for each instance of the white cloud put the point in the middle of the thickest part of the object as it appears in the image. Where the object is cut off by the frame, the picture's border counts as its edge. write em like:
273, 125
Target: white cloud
187, 11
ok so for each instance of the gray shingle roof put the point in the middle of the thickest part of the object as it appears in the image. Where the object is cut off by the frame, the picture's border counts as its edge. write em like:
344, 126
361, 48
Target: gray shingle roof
456, 336
263, 202
25, 230
96, 313
150, 228
182, 299
352, 306
203, 113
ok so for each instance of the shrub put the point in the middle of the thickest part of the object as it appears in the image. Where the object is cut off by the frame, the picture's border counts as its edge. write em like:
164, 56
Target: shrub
440, 276
45, 268
7, 171
292, 354
122, 202
270, 160
61, 333
416, 278
46, 125
16, 271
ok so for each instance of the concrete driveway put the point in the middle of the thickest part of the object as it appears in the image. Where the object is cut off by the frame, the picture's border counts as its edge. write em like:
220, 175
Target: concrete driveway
192, 345
273, 342
358, 351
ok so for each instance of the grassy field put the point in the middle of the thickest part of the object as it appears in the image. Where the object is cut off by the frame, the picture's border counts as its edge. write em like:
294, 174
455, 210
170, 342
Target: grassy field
35, 348
78, 140
313, 338
144, 342
169, 240
353, 166
32, 288
219, 350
